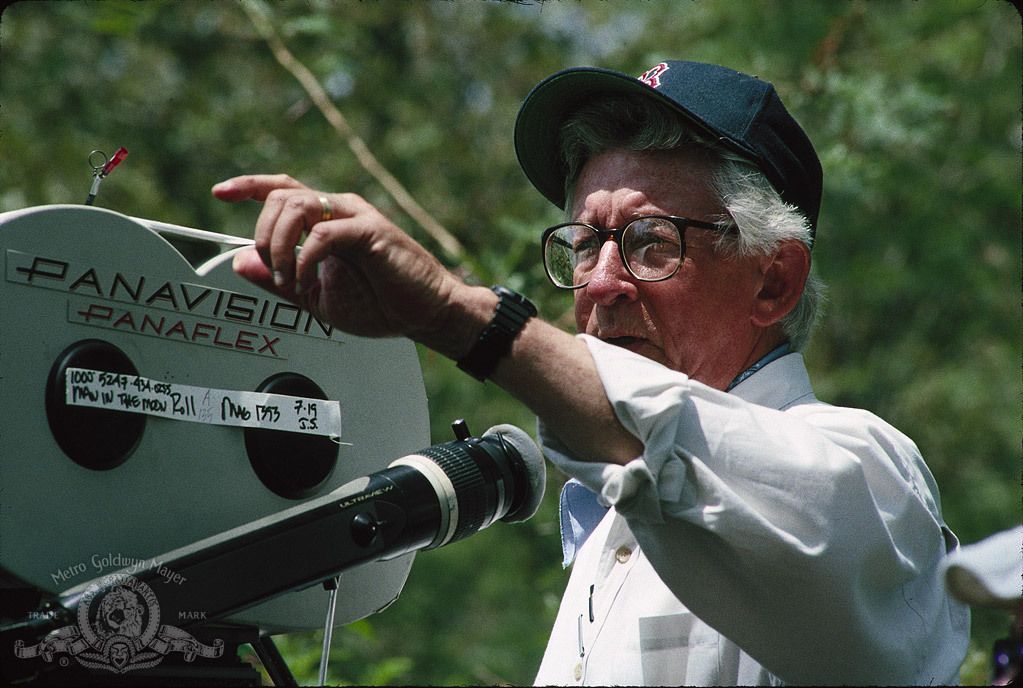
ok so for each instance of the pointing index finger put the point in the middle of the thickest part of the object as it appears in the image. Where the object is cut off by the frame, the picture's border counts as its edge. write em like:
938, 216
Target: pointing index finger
253, 187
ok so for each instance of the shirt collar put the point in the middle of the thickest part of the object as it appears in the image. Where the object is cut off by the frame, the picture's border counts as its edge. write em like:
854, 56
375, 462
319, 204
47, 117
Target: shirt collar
774, 354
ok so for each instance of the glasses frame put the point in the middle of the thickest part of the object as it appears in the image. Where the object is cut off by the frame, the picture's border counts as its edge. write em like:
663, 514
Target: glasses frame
681, 224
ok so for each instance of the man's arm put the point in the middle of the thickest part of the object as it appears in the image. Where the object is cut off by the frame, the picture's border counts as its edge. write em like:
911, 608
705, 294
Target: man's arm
363, 274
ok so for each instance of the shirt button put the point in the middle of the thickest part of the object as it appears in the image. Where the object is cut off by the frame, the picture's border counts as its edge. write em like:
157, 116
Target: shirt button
578, 671
622, 554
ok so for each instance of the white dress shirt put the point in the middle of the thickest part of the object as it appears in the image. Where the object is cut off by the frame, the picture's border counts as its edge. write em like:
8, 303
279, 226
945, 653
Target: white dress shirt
763, 537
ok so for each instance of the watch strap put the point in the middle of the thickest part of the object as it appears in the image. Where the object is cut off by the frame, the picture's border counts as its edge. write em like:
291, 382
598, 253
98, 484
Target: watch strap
513, 310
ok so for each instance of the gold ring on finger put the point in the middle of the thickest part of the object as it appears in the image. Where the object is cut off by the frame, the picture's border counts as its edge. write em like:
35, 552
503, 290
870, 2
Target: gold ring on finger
328, 211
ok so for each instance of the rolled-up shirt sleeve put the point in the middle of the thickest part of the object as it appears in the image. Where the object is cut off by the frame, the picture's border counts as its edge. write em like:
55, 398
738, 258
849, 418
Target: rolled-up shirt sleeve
808, 534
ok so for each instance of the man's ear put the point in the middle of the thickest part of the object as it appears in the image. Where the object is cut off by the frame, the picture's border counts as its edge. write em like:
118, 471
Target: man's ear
784, 275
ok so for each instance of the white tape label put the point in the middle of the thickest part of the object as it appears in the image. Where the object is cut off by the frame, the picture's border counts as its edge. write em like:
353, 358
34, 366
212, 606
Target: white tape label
135, 394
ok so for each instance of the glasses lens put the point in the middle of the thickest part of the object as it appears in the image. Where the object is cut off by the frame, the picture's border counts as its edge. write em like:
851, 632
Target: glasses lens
652, 247
570, 254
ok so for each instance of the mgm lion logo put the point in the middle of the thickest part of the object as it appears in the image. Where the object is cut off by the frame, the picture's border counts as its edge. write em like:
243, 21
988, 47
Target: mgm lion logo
118, 630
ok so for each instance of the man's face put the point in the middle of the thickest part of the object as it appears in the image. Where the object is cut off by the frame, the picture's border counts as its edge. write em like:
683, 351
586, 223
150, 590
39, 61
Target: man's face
698, 321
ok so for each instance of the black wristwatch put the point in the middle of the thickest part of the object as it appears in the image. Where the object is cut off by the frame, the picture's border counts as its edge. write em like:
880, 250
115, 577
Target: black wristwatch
513, 310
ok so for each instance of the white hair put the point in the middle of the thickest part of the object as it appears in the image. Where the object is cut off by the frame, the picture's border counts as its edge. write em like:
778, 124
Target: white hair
764, 222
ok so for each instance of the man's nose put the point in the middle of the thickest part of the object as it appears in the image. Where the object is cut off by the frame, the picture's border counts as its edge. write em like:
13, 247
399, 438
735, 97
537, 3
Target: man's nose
610, 281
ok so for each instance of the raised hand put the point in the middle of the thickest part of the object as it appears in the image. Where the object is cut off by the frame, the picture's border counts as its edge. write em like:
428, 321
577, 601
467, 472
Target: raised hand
356, 269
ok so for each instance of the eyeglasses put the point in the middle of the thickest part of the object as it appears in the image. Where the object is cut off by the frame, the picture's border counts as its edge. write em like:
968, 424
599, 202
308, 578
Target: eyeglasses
651, 248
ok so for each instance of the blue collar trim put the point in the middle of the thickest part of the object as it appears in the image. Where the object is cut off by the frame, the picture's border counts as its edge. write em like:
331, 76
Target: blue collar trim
774, 355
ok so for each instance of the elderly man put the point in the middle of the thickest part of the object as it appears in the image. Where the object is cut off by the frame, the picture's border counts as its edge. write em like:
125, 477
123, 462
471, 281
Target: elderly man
725, 526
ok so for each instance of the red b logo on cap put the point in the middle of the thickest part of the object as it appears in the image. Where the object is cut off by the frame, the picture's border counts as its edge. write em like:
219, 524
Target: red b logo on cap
652, 76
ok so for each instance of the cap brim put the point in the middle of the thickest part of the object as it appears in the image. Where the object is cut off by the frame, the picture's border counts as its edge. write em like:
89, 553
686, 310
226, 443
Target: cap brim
545, 108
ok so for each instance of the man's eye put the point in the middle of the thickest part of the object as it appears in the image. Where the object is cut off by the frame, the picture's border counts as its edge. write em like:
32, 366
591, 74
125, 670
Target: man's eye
584, 245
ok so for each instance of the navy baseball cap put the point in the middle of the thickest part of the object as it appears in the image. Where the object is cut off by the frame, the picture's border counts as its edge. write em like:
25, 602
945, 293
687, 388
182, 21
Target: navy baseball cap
741, 112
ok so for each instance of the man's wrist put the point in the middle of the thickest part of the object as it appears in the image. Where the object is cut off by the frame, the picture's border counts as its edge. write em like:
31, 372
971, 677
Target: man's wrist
456, 324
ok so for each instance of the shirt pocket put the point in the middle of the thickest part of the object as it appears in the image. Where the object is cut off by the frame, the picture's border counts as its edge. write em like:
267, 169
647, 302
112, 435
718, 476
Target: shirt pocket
677, 649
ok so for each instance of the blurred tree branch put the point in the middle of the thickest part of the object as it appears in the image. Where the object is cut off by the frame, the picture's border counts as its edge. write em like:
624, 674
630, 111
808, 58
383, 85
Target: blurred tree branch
447, 241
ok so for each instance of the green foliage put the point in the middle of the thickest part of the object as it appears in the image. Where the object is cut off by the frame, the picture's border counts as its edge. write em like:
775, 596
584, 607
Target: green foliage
914, 107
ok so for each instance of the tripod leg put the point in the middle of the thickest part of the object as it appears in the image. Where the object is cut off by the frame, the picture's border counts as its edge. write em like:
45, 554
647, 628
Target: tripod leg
275, 665
328, 628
